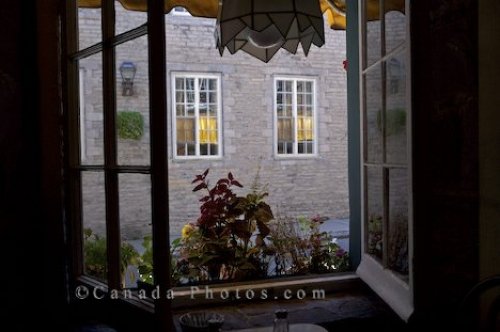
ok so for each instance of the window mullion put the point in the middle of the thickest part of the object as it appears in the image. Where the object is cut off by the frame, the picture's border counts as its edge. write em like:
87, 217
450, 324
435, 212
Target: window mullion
295, 119
197, 115
159, 161
111, 176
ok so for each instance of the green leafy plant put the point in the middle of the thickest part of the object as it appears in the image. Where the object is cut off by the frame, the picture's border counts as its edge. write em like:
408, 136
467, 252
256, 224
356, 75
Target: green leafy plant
146, 265
130, 125
228, 238
94, 250
300, 247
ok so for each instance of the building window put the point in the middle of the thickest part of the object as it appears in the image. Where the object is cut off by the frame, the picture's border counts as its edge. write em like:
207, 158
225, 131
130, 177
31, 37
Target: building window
196, 108
295, 117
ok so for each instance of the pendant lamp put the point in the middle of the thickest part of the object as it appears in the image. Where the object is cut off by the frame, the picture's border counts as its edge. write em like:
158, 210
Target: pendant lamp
261, 27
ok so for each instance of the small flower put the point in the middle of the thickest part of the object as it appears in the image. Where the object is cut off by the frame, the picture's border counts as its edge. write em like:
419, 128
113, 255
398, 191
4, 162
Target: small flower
187, 230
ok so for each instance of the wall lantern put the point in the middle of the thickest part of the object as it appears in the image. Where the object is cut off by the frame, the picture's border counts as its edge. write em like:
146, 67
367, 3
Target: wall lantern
127, 71
261, 27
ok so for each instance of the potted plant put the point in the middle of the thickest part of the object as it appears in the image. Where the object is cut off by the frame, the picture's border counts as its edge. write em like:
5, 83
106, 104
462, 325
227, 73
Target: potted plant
228, 238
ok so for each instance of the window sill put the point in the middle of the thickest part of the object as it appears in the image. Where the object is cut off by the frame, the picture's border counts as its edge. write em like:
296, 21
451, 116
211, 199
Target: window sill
286, 288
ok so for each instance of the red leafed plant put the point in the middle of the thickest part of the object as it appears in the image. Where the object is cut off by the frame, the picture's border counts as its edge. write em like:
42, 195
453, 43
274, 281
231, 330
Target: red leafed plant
230, 231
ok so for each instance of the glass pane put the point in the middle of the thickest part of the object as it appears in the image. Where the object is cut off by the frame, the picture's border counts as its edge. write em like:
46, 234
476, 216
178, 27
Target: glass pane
185, 128
132, 102
373, 32
89, 27
285, 130
375, 211
94, 224
135, 228
395, 116
129, 19
398, 221
373, 114
395, 30
208, 130
91, 111
309, 87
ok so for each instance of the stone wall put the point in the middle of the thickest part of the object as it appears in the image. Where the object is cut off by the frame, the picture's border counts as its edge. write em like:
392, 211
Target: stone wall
297, 186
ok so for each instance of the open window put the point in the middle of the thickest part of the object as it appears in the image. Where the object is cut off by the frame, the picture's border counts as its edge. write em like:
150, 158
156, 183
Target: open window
386, 153
117, 154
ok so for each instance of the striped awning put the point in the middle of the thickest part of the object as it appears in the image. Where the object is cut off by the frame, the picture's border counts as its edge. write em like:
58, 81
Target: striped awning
334, 10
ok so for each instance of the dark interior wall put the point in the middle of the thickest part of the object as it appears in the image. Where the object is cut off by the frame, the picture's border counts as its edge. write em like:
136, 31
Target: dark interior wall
489, 136
20, 216
446, 187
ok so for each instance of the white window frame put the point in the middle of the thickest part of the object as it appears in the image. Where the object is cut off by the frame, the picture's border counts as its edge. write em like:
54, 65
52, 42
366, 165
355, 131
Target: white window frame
197, 77
397, 293
295, 153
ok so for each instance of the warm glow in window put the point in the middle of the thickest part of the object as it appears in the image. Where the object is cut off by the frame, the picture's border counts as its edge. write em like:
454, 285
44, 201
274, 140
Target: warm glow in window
295, 117
197, 111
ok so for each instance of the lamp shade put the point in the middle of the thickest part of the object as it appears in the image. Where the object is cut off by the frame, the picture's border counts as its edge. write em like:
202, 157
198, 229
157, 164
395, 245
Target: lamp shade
127, 71
261, 27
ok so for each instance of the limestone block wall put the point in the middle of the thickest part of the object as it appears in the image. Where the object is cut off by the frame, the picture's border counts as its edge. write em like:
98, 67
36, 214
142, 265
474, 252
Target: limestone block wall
297, 186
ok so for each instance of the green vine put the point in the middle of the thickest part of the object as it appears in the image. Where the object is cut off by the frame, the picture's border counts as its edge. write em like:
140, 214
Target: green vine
130, 125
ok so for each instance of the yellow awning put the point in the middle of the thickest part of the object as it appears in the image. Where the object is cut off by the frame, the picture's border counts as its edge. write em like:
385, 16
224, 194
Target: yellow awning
334, 9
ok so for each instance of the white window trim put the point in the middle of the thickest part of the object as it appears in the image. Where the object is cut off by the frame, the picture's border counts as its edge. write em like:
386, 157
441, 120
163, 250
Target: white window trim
173, 113
295, 154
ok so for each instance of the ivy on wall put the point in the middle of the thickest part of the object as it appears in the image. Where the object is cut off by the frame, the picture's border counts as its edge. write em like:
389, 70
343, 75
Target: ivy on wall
395, 121
130, 125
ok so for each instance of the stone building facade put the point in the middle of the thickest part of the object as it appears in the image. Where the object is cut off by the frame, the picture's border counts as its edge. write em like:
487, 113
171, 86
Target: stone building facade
298, 185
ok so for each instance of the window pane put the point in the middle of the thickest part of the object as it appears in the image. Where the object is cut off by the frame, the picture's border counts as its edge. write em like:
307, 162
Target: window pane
132, 103
208, 130
305, 129
179, 97
129, 19
179, 84
373, 114
395, 117
186, 139
91, 111
395, 30
300, 99
212, 97
94, 225
135, 228
279, 86
285, 130
398, 221
89, 27
373, 45
301, 86
375, 211
185, 130
309, 87
212, 109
